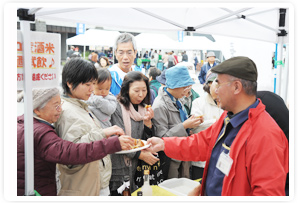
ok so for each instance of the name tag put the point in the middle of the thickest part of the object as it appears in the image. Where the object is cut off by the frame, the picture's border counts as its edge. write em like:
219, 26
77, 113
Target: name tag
224, 163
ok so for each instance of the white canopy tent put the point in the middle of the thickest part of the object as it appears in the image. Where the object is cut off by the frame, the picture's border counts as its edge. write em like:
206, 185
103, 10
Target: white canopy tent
198, 43
257, 22
93, 37
155, 41
260, 23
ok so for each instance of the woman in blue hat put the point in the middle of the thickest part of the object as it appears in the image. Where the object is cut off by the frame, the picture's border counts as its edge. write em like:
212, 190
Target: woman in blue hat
170, 117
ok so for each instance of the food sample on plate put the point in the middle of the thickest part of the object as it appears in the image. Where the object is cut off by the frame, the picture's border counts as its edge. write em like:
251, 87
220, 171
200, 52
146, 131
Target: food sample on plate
137, 143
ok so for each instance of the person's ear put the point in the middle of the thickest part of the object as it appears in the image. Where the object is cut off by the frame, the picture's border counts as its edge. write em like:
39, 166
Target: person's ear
37, 112
237, 87
69, 85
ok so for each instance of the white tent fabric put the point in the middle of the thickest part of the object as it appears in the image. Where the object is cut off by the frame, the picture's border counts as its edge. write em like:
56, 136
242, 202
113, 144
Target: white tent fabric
198, 43
94, 37
259, 23
155, 41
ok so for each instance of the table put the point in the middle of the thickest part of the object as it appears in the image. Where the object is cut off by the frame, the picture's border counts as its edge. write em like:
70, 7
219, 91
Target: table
145, 60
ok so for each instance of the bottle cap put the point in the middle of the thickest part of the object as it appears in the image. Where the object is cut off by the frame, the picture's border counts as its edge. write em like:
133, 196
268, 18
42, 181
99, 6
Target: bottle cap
126, 178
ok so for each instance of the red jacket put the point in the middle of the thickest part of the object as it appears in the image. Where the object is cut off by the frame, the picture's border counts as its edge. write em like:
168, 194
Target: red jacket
50, 149
260, 155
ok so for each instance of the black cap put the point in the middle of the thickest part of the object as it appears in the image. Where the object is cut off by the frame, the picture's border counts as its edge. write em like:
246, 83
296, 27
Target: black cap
239, 67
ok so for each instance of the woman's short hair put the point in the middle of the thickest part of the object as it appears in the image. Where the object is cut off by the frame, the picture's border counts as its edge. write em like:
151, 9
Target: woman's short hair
124, 38
77, 71
103, 75
105, 58
206, 87
154, 72
131, 77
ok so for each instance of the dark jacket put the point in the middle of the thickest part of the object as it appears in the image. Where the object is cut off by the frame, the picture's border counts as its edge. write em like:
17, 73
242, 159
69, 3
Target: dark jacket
203, 72
49, 149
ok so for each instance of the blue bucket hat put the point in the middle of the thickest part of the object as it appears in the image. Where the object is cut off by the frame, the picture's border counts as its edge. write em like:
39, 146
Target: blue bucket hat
162, 78
178, 76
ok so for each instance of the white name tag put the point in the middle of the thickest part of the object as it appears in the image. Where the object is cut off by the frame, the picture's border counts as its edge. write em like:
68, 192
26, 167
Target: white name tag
224, 163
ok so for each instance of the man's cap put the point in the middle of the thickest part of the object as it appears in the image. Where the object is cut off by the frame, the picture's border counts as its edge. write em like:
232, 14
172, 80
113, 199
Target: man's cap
240, 67
211, 53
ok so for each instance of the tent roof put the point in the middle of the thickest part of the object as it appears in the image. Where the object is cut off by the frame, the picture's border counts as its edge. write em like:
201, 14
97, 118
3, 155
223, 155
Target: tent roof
260, 23
155, 41
94, 37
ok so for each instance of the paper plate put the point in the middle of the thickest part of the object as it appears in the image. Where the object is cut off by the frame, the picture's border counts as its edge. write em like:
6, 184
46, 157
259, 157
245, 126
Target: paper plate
134, 150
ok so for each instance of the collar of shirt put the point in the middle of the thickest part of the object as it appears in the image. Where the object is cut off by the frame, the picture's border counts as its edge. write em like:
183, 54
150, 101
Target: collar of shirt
242, 116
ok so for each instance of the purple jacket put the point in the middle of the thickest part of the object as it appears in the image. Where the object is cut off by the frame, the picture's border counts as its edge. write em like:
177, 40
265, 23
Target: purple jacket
50, 149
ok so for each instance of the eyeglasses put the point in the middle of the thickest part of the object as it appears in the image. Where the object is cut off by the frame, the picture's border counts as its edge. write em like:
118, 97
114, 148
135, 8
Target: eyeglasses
217, 86
59, 107
187, 88
122, 53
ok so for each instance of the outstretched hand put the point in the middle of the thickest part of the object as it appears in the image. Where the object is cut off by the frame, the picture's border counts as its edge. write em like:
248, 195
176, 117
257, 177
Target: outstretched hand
157, 144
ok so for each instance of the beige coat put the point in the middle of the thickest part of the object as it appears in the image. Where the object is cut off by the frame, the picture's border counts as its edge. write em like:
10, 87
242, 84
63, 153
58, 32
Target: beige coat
76, 125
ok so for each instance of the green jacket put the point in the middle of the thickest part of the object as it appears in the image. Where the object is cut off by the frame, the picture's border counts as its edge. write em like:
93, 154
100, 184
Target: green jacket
155, 85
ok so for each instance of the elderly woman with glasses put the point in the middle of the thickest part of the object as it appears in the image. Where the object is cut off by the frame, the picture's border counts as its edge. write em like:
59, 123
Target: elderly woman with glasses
50, 149
170, 116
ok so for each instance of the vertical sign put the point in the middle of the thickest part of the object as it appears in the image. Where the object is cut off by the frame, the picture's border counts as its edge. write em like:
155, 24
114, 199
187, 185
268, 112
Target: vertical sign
45, 60
80, 28
180, 36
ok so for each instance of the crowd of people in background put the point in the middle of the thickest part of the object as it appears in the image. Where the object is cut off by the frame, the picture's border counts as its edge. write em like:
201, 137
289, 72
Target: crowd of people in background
224, 138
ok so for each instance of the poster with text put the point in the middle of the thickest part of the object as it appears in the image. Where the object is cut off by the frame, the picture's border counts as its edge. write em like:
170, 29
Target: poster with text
45, 60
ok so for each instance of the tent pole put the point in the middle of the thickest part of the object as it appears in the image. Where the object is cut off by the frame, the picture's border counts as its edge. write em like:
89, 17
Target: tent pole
160, 18
84, 51
279, 65
220, 18
275, 67
28, 110
250, 20
286, 70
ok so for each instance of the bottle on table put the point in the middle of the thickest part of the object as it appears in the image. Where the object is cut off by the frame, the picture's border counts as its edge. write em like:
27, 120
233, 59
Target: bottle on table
146, 188
126, 191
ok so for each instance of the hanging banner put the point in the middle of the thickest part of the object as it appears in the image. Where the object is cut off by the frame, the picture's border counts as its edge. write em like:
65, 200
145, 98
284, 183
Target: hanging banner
45, 60
80, 28
180, 36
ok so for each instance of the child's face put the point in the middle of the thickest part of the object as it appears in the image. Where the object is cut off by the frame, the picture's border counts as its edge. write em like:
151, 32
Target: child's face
103, 88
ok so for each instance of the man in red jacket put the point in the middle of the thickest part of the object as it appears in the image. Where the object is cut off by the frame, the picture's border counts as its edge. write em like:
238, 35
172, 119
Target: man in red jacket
246, 152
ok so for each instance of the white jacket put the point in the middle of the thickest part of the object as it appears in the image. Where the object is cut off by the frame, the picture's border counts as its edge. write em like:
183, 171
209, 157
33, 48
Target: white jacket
206, 106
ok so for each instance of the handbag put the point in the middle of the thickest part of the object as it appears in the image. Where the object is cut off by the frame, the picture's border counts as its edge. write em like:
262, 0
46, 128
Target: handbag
156, 175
